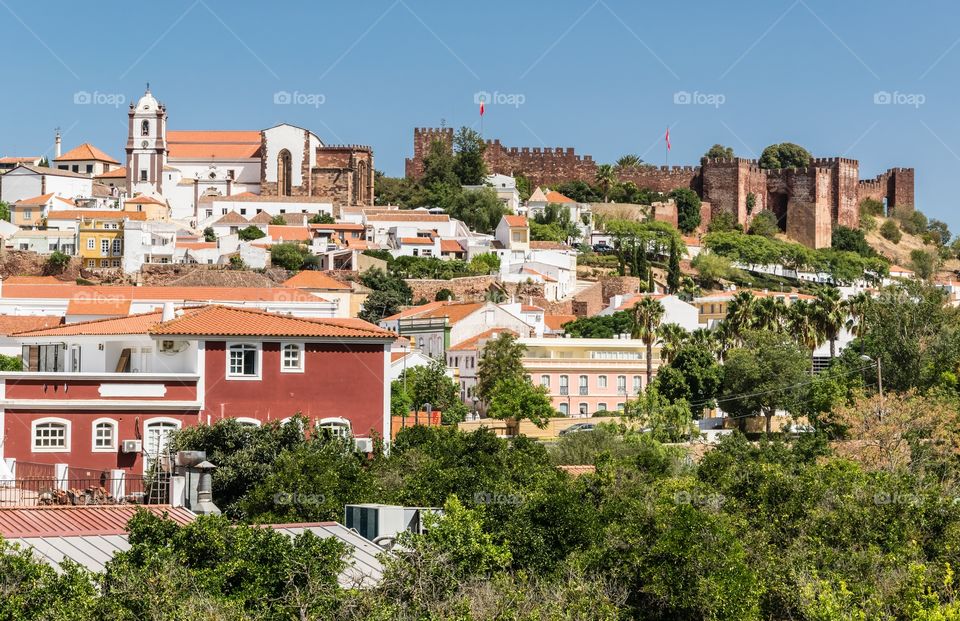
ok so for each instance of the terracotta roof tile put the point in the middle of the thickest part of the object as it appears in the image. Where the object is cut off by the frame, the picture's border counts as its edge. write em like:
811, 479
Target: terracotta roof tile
231, 217
116, 173
288, 233
576, 471
515, 221
313, 279
84, 306
533, 272
261, 218
213, 144
473, 342
450, 245
405, 216
556, 197
132, 324
197, 245
555, 322
548, 245
416, 241
11, 324
31, 280
96, 214
85, 152
175, 294
143, 199
229, 321
66, 521
43, 199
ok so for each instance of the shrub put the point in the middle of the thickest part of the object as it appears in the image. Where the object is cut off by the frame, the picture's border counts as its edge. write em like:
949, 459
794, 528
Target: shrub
443, 295
868, 223
764, 224
58, 261
250, 233
322, 218
288, 255
891, 231
209, 235
871, 207
278, 220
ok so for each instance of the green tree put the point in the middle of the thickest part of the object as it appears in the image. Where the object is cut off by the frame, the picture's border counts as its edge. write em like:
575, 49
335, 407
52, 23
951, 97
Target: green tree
924, 263
502, 359
764, 224
443, 295
250, 233
4, 211
673, 268
724, 222
288, 255
605, 178
693, 376
719, 152
480, 210
278, 220
485, 263
851, 240
889, 230
322, 218
57, 262
469, 165
381, 304
430, 384
666, 420
871, 207
713, 268
647, 314
830, 315
439, 166
600, 326
672, 337
519, 399
785, 155
762, 376
209, 235
688, 209
628, 161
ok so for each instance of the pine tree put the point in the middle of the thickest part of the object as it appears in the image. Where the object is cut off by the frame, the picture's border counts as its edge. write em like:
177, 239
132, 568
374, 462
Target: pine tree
673, 270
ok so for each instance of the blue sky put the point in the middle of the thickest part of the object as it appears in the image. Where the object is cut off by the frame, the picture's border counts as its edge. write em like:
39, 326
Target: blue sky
598, 75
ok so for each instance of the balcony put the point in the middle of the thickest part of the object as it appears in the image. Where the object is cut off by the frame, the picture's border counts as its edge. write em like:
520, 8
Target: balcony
100, 391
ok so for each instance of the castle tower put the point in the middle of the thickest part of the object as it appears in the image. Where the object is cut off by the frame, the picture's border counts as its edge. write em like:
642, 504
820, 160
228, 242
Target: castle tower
146, 145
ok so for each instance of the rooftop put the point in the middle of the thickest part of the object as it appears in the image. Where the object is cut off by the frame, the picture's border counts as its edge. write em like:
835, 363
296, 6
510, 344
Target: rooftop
66, 521
216, 144
230, 321
69, 291
313, 279
85, 152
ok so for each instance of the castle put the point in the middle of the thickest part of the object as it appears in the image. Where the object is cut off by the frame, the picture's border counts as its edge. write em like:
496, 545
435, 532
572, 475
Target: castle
808, 202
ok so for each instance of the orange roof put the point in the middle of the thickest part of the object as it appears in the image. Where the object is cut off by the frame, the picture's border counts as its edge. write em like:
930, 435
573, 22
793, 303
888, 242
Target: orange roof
107, 326
231, 217
632, 299
340, 226
472, 342
357, 244
85, 152
43, 199
527, 270
230, 321
18, 160
96, 214
690, 241
143, 199
548, 245
11, 324
530, 308
74, 521
116, 173
414, 311
313, 279
399, 216
190, 294
32, 280
213, 144
94, 306
197, 245
453, 311
288, 233
450, 245
555, 322
515, 220
417, 241
556, 197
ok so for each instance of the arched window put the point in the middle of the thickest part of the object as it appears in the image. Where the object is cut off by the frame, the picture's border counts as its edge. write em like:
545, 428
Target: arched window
284, 170
51, 435
244, 421
360, 182
104, 435
564, 409
156, 436
338, 427
145, 128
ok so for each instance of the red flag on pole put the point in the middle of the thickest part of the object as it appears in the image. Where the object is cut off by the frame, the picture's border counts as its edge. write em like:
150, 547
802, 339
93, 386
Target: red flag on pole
481, 108
666, 137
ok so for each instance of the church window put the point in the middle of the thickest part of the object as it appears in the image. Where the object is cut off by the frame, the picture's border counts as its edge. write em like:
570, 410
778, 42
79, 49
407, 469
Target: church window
284, 170
145, 128
143, 175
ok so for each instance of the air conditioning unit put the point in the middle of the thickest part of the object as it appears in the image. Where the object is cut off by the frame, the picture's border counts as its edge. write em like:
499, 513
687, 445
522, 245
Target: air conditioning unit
132, 446
364, 445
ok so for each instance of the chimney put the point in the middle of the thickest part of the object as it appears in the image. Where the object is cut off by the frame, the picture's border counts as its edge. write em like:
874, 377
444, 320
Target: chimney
205, 504
168, 314
57, 142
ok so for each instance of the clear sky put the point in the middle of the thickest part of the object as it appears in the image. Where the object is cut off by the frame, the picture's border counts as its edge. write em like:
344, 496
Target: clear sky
873, 80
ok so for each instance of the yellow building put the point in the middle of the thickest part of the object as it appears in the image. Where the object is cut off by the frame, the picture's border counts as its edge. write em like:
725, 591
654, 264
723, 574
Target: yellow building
712, 308
154, 209
31, 212
100, 237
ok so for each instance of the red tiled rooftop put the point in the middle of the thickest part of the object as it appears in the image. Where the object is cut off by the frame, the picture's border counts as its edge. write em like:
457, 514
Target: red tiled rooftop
85, 152
416, 241
116, 173
133, 324
11, 324
555, 322
450, 245
472, 342
515, 220
190, 294
288, 233
216, 144
556, 197
229, 321
16, 522
313, 279
95, 306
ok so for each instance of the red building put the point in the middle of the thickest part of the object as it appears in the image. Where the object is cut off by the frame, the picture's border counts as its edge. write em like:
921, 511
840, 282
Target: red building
91, 388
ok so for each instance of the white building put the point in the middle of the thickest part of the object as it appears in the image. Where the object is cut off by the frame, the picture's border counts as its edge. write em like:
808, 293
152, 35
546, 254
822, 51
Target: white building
26, 181
675, 310
505, 187
521, 260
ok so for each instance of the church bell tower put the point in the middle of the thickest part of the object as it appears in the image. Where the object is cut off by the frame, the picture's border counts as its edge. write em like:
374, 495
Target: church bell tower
146, 145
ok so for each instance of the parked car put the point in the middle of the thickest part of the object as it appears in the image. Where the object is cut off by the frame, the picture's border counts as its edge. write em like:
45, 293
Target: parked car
602, 248
578, 428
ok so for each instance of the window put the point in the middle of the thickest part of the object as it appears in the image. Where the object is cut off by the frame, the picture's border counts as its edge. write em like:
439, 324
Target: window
545, 381
92, 263
27, 214
637, 384
231, 174
601, 381
622, 384
89, 168
145, 128
583, 384
619, 407
44, 358
564, 409
104, 435
76, 168
292, 358
337, 427
284, 173
143, 175
104, 246
51, 435
601, 407
583, 409
564, 385
242, 361
117, 245
248, 422
156, 437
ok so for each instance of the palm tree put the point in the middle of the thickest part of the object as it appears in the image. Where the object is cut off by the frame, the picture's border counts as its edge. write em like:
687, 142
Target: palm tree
629, 160
672, 337
647, 314
741, 313
858, 305
803, 326
605, 178
769, 313
830, 314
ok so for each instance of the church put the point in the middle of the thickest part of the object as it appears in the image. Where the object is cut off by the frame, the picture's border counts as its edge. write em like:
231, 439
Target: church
190, 168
